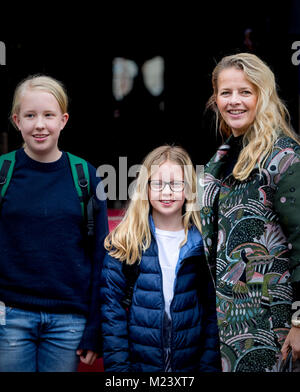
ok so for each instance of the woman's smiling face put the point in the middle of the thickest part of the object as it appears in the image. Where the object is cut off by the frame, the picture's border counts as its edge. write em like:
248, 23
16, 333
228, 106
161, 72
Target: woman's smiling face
236, 100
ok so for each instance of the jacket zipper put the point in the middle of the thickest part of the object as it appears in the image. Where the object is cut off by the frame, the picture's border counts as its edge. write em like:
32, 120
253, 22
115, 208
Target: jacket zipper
171, 305
162, 316
163, 307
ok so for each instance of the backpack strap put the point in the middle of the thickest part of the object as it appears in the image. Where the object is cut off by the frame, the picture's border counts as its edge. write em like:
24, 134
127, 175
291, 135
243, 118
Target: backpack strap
7, 163
89, 207
92, 209
81, 177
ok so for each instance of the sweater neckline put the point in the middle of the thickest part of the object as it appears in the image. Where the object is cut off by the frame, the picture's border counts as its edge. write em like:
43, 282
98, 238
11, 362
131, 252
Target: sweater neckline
236, 141
42, 166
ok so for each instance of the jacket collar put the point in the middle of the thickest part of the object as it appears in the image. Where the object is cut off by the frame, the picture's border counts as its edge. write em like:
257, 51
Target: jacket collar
193, 246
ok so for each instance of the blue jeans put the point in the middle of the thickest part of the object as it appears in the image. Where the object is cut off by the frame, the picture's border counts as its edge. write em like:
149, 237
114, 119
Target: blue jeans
39, 341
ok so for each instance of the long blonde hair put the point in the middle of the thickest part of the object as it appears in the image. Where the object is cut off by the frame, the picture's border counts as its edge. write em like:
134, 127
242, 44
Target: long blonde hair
133, 236
272, 117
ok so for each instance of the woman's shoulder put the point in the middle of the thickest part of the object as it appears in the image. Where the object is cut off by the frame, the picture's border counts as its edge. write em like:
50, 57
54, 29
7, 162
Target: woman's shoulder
285, 152
285, 148
285, 142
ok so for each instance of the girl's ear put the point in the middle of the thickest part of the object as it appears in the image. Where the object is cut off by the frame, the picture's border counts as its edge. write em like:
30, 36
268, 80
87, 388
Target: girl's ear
16, 120
64, 120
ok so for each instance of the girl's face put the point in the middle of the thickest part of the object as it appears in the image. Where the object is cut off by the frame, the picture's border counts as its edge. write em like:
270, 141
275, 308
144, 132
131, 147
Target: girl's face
40, 121
236, 100
166, 192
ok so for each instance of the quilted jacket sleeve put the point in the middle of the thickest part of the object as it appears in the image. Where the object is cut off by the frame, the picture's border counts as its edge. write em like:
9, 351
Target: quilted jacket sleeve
210, 360
114, 317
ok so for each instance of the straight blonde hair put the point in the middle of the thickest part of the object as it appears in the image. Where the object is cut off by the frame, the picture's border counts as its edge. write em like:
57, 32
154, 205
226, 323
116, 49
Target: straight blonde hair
272, 116
132, 236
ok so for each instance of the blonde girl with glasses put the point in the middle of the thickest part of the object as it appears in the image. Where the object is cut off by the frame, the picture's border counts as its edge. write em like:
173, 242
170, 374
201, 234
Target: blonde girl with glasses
169, 322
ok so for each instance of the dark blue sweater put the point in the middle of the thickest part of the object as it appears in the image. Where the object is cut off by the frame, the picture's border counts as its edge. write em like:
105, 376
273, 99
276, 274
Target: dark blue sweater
43, 263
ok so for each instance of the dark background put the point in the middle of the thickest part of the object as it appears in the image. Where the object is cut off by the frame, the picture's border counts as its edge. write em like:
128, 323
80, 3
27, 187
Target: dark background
191, 41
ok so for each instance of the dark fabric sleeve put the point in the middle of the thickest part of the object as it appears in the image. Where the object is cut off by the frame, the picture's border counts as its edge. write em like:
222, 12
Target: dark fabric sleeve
91, 339
287, 206
114, 317
296, 291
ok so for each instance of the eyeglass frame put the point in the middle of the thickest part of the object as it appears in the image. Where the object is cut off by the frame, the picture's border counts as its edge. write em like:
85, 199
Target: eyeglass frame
167, 183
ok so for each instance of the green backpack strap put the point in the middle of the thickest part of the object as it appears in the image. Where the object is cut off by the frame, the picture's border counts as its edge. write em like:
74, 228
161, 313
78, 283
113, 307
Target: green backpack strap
81, 177
7, 163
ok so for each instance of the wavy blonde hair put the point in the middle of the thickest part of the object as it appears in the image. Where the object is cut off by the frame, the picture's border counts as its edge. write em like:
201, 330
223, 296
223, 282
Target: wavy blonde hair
133, 236
272, 117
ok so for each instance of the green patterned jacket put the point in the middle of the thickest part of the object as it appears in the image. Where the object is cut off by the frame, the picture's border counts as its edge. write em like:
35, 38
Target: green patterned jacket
251, 232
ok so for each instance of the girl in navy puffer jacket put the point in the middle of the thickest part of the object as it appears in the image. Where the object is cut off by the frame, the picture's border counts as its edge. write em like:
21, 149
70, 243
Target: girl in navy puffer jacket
171, 324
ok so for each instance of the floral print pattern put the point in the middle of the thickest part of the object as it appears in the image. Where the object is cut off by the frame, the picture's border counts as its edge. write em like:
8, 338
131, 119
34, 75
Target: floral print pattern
249, 256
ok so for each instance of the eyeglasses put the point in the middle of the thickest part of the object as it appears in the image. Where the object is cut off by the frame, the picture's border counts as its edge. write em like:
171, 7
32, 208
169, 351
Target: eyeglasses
175, 186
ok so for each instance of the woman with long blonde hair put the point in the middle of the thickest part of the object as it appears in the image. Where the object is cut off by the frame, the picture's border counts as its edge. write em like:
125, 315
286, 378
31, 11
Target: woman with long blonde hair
170, 322
250, 216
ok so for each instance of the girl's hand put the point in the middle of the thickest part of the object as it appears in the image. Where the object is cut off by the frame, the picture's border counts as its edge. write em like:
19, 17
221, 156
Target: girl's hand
292, 341
88, 357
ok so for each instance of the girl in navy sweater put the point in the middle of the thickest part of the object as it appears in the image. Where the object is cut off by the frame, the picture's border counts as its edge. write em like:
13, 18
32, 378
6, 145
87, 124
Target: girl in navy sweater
170, 325
49, 281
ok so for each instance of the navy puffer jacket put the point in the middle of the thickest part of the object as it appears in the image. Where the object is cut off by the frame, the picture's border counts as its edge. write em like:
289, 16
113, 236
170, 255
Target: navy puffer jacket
134, 341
